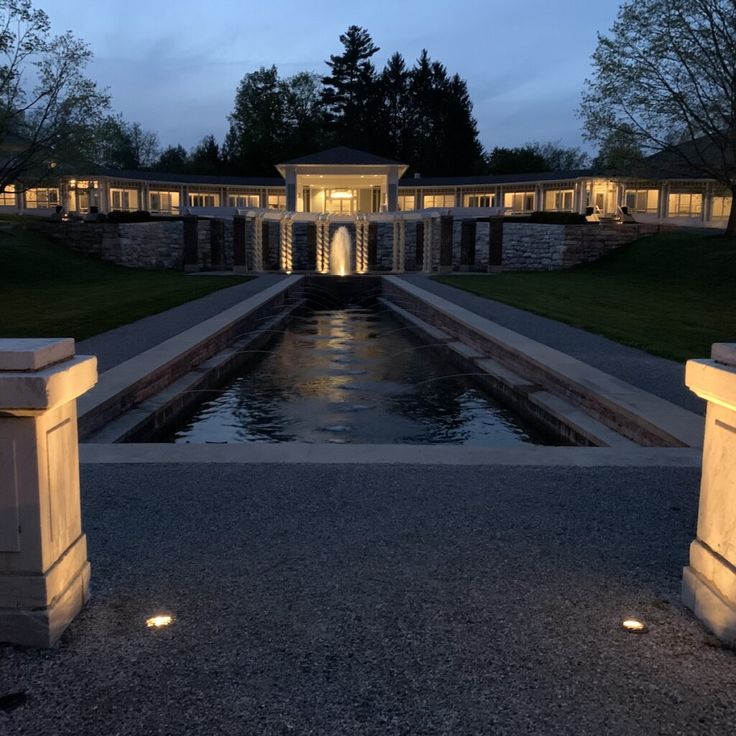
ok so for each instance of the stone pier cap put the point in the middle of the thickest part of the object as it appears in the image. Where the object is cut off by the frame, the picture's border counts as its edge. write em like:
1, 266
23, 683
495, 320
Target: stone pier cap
715, 379
39, 374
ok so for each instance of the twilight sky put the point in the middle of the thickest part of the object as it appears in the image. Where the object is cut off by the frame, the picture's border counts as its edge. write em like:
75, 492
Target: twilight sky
174, 65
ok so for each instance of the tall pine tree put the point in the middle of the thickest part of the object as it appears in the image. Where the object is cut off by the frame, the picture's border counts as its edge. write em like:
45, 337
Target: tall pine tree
350, 93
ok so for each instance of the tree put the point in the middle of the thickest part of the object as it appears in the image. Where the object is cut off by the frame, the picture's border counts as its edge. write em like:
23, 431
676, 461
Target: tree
445, 136
619, 155
254, 140
395, 126
122, 145
350, 93
173, 160
205, 157
558, 158
521, 160
47, 107
665, 80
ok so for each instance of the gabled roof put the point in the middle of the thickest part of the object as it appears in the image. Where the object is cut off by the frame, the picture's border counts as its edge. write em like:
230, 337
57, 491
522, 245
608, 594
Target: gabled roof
342, 156
490, 179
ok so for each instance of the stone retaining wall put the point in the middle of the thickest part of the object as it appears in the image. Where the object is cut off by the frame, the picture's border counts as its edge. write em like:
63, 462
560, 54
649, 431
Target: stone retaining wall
526, 246
540, 247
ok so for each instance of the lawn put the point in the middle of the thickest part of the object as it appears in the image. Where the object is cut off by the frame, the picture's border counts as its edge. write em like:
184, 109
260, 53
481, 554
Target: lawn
46, 290
672, 294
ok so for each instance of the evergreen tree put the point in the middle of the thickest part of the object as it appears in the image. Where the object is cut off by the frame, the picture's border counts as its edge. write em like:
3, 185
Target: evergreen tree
351, 91
521, 160
395, 128
205, 157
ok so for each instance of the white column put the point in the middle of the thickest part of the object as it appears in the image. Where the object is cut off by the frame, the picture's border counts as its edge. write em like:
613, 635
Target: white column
709, 582
44, 572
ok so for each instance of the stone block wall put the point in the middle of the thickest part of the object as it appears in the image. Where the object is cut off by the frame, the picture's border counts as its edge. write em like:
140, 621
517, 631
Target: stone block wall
541, 247
154, 245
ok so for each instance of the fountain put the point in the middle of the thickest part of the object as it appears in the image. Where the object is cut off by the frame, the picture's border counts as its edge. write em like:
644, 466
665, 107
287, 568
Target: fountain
340, 248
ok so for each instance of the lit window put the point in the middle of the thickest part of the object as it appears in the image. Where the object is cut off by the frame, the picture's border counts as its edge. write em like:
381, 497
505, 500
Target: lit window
720, 207
204, 199
164, 202
243, 200
519, 201
7, 196
277, 201
687, 204
438, 200
124, 199
479, 200
642, 200
407, 202
559, 200
42, 199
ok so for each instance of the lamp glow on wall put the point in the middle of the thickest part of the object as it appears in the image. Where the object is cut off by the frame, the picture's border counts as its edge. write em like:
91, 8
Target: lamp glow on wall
340, 194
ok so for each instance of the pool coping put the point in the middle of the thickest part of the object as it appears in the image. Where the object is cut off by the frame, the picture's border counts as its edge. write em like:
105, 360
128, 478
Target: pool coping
334, 454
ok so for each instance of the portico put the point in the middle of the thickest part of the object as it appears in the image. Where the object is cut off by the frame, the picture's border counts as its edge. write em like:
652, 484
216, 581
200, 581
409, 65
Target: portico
342, 181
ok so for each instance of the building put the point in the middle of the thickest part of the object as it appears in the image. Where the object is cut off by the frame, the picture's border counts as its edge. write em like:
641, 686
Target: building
346, 182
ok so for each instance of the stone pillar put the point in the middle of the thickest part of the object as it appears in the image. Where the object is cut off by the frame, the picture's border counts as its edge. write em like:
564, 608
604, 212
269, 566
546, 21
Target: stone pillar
419, 253
191, 244
495, 244
372, 245
311, 246
44, 572
240, 264
217, 244
467, 244
709, 582
446, 227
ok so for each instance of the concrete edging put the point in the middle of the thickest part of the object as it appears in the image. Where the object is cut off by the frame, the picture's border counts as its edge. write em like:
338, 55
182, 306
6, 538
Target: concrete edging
642, 417
128, 384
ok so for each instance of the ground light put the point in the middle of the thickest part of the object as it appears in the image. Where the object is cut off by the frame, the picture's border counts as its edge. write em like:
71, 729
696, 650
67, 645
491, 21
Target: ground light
159, 621
634, 626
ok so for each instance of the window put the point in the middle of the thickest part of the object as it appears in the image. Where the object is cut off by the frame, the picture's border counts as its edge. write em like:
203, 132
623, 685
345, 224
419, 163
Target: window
407, 202
277, 201
204, 199
559, 200
306, 199
479, 200
42, 198
438, 200
243, 201
124, 199
166, 202
642, 200
685, 205
519, 201
7, 196
720, 207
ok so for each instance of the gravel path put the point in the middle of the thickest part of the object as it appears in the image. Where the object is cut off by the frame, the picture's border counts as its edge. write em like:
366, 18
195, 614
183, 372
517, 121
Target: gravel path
659, 376
339, 600
122, 343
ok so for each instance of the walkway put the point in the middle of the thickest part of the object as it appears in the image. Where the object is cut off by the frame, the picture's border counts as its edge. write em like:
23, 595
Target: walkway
357, 600
124, 342
664, 378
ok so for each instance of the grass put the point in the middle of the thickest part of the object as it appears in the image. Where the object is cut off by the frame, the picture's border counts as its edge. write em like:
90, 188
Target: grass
46, 290
672, 294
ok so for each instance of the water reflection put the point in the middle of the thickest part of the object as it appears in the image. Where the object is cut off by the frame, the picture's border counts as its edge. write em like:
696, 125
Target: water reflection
350, 375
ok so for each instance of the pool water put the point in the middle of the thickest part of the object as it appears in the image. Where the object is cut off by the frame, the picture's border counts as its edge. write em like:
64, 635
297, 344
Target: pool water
352, 375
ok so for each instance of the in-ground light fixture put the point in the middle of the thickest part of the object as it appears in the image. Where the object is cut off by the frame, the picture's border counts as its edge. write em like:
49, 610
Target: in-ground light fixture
159, 621
634, 626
